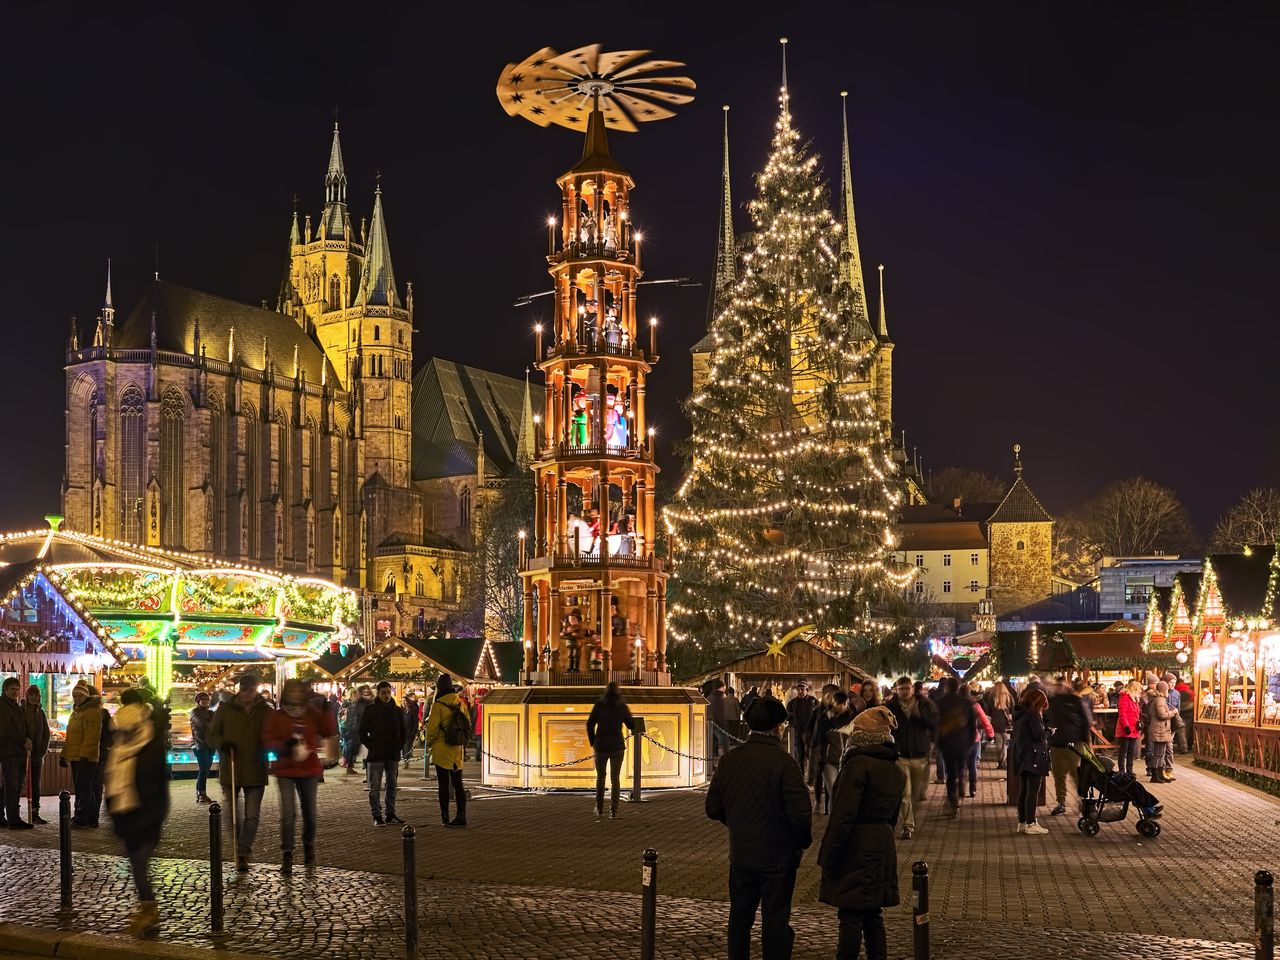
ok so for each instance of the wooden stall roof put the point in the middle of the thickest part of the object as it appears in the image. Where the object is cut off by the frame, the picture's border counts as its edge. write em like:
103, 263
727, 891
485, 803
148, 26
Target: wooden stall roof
1117, 646
800, 657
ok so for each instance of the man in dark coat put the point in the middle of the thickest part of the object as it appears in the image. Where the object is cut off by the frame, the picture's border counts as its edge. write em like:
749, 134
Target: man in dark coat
609, 744
800, 714
957, 730
382, 731
236, 733
1070, 721
38, 733
717, 713
412, 723
759, 793
14, 744
858, 858
917, 729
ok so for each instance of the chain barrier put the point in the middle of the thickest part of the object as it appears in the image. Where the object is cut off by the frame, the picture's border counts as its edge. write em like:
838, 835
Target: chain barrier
545, 766
678, 753
732, 736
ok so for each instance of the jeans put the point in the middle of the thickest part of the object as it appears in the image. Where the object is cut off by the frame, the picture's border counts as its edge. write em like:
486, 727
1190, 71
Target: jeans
14, 770
410, 738
829, 773
295, 790
350, 752
377, 768
954, 760
1126, 753
83, 774
771, 893
942, 765
1002, 750
1065, 762
1161, 756
250, 815
859, 925
204, 760
614, 762
916, 770
99, 784
971, 764
1028, 792
140, 867
445, 779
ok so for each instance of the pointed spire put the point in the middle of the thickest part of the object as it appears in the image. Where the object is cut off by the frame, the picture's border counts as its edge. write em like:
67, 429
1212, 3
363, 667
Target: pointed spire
231, 344
284, 300
726, 260
786, 94
882, 330
334, 222
1017, 461
527, 443
295, 235
378, 282
195, 338
850, 256
73, 343
108, 309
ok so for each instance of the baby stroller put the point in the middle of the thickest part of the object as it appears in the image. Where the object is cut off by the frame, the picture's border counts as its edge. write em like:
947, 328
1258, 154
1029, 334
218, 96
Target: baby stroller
1105, 796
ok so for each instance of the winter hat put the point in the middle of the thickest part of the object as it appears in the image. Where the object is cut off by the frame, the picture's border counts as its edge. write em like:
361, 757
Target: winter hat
1149, 679
876, 720
765, 713
1162, 687
444, 684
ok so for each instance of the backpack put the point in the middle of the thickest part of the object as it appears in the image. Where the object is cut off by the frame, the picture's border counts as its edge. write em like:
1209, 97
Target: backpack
457, 727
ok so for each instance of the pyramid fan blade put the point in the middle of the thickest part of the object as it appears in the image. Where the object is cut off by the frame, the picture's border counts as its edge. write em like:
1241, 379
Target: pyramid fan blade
679, 83
618, 119
641, 109
609, 62
664, 95
582, 61
647, 67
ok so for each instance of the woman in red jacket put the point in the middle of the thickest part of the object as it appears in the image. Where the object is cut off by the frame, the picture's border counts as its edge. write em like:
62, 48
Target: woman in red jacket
294, 733
1128, 708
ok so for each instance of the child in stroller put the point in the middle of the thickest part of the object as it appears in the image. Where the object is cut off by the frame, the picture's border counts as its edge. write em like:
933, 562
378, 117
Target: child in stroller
1105, 796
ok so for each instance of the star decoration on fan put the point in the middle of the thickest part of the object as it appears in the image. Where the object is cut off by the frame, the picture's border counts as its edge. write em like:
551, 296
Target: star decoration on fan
549, 87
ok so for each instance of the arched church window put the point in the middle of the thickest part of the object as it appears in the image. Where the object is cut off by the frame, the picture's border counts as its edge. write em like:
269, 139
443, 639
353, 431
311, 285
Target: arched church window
133, 453
335, 292
377, 332
1022, 545
217, 474
465, 506
419, 585
172, 486
390, 586
400, 338
316, 480
252, 478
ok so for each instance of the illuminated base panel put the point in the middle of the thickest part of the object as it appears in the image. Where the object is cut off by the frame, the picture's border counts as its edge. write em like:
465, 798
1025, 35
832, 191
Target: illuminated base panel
548, 725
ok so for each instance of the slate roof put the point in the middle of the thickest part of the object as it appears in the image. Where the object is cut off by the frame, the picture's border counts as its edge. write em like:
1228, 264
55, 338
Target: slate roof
426, 538
177, 309
452, 405
958, 535
1020, 506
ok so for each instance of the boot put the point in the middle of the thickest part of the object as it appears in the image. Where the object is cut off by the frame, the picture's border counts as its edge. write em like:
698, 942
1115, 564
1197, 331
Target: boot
599, 810
309, 856
613, 810
145, 920
242, 864
286, 863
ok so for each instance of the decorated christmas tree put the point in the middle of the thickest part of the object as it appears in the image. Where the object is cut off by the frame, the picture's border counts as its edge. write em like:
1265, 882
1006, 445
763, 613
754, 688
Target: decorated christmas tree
786, 514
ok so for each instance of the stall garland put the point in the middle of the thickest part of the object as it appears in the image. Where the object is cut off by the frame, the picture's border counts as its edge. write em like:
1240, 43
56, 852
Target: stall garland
319, 605
248, 597
125, 591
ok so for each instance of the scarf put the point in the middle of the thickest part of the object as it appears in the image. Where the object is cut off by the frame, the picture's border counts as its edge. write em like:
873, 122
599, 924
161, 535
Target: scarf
133, 731
863, 738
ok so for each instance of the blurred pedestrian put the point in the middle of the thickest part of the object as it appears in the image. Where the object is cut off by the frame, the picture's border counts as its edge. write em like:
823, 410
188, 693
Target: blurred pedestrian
957, 730
733, 716
201, 718
917, 728
716, 711
819, 727
982, 725
294, 732
382, 733
858, 857
360, 699
869, 692
1030, 757
759, 793
834, 729
446, 735
412, 723
1070, 719
81, 748
999, 709
136, 788
37, 724
15, 745
604, 733
800, 712
236, 733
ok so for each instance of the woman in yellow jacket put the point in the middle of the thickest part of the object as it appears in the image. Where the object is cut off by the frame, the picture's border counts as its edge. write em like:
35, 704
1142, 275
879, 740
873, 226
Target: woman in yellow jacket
81, 750
444, 726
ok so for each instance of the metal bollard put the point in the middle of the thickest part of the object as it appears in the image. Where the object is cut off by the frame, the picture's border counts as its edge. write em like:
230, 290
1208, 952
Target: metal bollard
64, 854
1264, 916
410, 895
637, 759
920, 908
216, 928
649, 903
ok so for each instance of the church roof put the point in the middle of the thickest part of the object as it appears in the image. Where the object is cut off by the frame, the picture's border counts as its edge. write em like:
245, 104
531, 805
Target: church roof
378, 280
453, 404
177, 310
425, 538
1020, 506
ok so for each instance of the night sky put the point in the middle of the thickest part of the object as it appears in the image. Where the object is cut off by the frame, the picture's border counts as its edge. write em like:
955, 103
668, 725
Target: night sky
1076, 205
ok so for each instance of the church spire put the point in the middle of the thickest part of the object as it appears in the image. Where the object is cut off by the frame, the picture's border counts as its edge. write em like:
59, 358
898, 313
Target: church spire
726, 262
850, 257
378, 282
284, 301
108, 309
882, 331
526, 444
334, 222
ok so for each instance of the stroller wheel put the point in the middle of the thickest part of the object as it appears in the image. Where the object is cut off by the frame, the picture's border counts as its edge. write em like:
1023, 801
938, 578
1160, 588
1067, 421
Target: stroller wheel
1149, 828
1088, 827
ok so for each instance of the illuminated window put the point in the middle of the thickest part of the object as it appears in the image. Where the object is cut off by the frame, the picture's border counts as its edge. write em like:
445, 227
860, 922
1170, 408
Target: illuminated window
133, 454
335, 292
419, 585
390, 585
1242, 682
946, 559
919, 559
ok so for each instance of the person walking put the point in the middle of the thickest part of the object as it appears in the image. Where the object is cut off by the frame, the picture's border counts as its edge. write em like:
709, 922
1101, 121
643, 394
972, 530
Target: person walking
1030, 757
1070, 719
800, 713
382, 733
14, 747
916, 721
758, 792
748, 698
858, 857
604, 732
716, 712
81, 748
360, 700
294, 733
819, 727
412, 723
733, 715
236, 733
836, 725
957, 730
201, 718
1000, 712
1160, 734
446, 735
1128, 712
37, 724
983, 727
136, 788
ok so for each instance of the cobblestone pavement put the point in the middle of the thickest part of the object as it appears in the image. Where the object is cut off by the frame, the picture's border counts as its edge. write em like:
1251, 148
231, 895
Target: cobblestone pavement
540, 878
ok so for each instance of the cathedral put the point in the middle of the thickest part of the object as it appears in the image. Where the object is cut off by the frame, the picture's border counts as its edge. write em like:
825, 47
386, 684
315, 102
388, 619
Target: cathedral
286, 436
